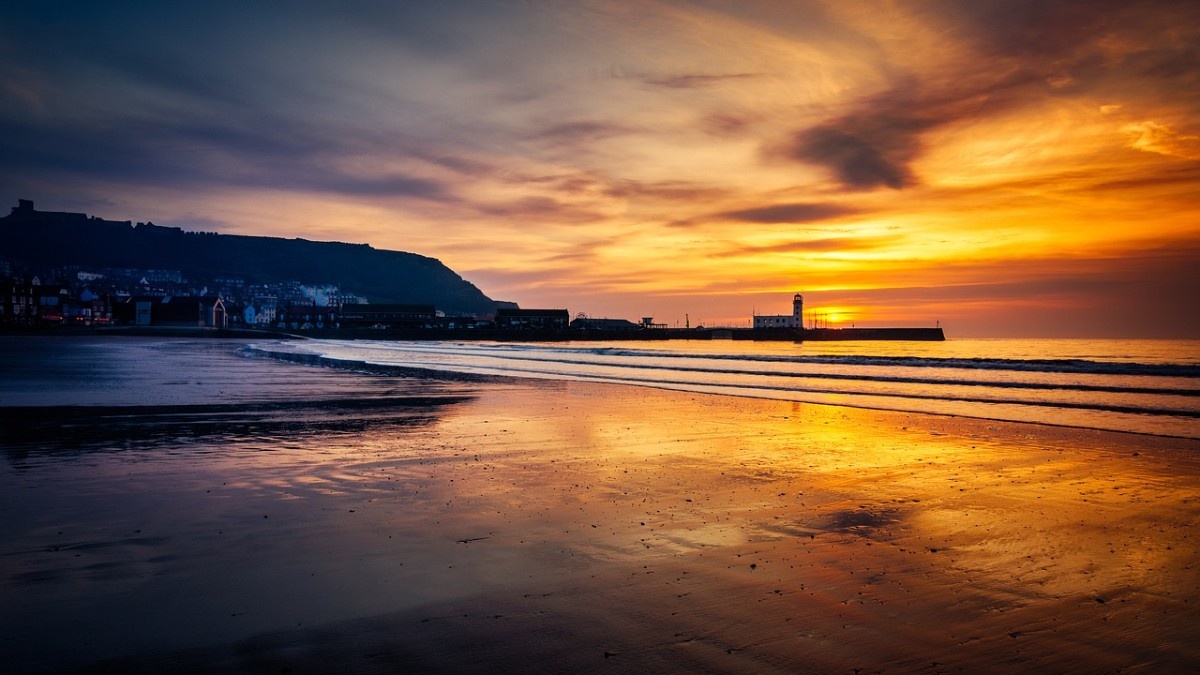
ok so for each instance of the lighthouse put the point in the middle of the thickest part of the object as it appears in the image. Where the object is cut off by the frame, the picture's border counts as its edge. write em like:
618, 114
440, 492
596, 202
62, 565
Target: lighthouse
795, 320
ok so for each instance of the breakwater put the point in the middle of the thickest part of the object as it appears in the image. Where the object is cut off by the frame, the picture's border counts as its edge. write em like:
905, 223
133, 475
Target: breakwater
830, 334
643, 335
519, 335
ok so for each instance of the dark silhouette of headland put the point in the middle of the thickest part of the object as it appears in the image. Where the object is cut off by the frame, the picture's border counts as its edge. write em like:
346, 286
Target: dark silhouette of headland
49, 240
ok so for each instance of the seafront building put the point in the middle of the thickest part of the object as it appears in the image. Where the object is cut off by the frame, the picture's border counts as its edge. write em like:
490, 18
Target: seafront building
206, 311
793, 320
589, 323
388, 316
537, 319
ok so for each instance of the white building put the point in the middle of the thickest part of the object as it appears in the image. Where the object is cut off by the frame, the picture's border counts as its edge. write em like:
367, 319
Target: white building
794, 320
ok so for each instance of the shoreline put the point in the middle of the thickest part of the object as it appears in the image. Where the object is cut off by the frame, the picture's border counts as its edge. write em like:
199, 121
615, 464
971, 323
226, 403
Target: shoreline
550, 526
312, 359
450, 376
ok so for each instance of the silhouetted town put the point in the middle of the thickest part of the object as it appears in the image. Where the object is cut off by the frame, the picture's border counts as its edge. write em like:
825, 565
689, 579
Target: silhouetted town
47, 290
52, 276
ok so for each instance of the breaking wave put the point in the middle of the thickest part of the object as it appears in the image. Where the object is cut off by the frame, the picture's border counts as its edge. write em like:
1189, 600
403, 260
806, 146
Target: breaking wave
1116, 386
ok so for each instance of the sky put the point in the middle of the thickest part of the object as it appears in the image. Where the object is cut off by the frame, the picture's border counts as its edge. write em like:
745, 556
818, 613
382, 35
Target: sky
996, 167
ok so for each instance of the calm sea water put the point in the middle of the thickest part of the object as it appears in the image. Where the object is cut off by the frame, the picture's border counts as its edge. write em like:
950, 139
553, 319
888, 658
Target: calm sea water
1142, 386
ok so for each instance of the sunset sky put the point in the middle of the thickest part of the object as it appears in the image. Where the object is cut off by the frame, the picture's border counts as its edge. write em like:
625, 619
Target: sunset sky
1003, 167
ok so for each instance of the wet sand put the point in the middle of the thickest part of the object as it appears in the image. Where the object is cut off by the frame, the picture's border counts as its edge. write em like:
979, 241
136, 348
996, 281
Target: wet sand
566, 527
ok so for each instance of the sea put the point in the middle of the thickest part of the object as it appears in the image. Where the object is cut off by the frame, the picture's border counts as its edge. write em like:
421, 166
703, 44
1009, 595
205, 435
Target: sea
1138, 386
211, 505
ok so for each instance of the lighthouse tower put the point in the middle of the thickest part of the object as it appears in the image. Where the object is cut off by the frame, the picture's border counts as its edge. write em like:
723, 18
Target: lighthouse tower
797, 311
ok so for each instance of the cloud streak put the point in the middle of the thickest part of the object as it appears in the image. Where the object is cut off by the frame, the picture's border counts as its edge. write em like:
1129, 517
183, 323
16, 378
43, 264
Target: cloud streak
789, 213
825, 245
695, 80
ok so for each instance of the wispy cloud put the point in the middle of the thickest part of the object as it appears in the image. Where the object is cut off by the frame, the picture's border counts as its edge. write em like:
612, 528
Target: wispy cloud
789, 213
823, 245
694, 80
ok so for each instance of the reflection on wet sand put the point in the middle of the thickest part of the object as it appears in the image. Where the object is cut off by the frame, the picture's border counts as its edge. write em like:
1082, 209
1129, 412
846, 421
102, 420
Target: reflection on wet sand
576, 527
81, 429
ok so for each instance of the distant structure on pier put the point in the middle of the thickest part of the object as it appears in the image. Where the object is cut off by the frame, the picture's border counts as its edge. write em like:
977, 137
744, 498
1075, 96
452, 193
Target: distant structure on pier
795, 320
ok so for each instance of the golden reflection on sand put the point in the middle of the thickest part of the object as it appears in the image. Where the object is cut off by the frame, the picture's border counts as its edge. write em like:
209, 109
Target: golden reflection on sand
571, 527
960, 539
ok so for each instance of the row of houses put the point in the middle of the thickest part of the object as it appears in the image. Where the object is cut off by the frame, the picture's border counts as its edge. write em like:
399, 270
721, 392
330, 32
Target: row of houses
170, 310
88, 297
389, 316
37, 305
34, 304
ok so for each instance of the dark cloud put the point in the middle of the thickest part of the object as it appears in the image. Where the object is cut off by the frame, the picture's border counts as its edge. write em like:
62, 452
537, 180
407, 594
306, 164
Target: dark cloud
198, 153
789, 213
188, 96
858, 158
1180, 65
581, 131
1031, 52
1045, 32
670, 191
322, 180
183, 106
543, 210
1118, 48
677, 80
724, 124
1184, 175
583, 253
874, 144
801, 21
586, 184
829, 244
694, 80
463, 165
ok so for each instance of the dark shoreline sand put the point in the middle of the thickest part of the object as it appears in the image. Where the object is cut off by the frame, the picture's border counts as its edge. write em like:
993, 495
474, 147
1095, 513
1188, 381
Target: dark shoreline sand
566, 527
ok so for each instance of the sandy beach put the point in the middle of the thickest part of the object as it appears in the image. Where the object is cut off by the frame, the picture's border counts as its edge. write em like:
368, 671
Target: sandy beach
404, 525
